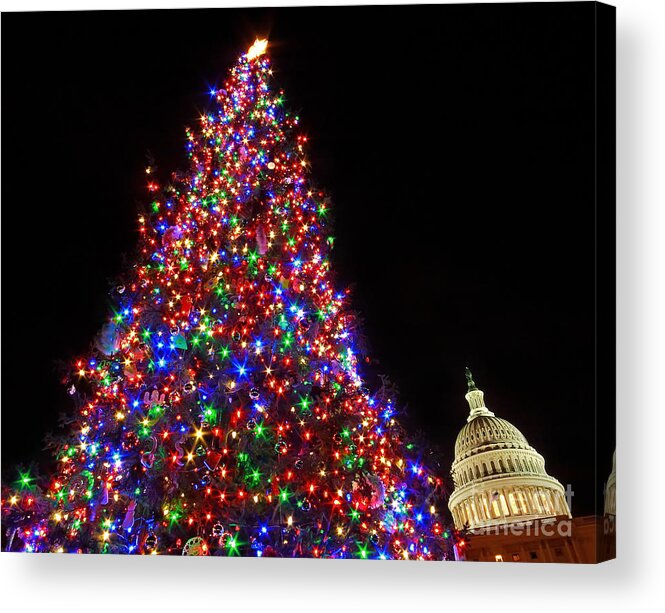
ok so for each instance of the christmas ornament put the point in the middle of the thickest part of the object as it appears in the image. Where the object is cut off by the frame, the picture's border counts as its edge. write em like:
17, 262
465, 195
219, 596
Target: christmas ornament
217, 529
179, 342
105, 494
148, 458
180, 452
128, 522
212, 459
171, 236
150, 543
195, 546
261, 240
108, 339
153, 399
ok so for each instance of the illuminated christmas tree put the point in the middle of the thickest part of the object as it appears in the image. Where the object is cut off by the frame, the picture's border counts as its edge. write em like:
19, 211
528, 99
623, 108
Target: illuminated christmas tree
221, 409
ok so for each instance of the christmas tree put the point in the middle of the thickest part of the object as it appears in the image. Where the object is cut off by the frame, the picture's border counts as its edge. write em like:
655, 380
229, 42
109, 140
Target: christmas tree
221, 409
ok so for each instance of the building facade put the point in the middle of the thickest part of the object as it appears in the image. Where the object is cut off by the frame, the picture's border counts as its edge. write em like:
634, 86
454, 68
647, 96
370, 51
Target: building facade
581, 540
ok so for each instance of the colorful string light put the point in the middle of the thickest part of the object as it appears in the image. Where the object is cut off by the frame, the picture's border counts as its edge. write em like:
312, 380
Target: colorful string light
221, 409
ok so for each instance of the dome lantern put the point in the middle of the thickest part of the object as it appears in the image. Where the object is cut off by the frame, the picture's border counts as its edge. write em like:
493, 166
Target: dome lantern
475, 398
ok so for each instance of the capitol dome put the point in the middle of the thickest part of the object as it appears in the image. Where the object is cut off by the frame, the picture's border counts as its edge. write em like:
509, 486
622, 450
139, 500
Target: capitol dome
488, 430
499, 478
610, 507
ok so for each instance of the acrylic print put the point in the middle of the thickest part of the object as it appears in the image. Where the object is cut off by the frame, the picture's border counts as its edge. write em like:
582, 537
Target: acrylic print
312, 282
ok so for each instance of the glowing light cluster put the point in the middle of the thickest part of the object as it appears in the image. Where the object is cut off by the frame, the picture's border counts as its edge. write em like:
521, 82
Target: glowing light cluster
222, 410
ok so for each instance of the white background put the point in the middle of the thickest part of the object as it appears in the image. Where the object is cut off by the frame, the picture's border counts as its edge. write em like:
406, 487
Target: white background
106, 583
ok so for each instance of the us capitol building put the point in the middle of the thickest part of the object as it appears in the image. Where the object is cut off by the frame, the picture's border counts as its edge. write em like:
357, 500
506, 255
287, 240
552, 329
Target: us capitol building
511, 509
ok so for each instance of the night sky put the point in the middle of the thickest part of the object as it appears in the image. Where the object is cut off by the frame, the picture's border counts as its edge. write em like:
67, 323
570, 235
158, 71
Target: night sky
457, 143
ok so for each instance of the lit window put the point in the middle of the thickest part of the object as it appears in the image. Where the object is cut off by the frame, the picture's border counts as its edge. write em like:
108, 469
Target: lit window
504, 504
498, 558
513, 504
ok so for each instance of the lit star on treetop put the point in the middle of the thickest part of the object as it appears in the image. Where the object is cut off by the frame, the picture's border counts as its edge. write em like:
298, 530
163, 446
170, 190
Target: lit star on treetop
258, 48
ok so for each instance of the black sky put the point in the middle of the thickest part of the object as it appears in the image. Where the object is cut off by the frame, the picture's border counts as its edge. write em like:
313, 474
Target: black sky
457, 143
